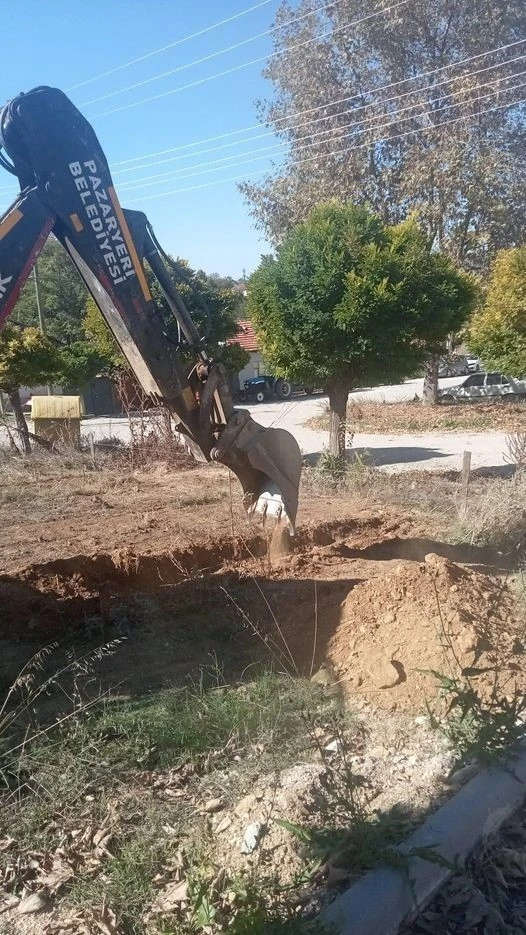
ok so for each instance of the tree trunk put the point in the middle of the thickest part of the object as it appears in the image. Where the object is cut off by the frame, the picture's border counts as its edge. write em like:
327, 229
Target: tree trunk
430, 392
338, 396
167, 424
20, 419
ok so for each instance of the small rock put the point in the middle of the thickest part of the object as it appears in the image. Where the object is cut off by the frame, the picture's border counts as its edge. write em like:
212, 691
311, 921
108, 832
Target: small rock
34, 902
213, 805
382, 672
252, 837
325, 675
432, 559
389, 618
467, 641
422, 720
378, 752
334, 746
462, 775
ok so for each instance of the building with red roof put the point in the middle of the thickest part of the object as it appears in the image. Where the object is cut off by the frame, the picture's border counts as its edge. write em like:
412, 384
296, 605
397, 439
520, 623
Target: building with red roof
246, 338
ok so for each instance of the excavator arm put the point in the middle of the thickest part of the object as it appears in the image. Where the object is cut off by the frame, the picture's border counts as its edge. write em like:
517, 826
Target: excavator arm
66, 188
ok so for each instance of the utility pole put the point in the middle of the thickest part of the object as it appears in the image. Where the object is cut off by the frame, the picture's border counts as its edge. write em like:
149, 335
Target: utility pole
37, 293
39, 310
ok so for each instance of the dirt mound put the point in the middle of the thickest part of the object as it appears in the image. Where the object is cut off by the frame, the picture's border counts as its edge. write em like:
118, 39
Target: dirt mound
434, 615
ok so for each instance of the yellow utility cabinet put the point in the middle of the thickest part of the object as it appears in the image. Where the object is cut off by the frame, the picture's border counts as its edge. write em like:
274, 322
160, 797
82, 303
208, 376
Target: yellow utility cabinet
57, 418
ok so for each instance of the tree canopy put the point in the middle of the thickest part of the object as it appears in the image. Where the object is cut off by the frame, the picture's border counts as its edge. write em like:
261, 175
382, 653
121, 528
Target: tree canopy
350, 301
498, 329
379, 113
27, 358
62, 296
212, 308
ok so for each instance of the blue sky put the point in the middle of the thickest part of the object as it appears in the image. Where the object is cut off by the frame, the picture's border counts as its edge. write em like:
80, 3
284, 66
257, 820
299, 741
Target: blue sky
66, 42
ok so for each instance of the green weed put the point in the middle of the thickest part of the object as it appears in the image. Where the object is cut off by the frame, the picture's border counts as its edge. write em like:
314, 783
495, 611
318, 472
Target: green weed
480, 729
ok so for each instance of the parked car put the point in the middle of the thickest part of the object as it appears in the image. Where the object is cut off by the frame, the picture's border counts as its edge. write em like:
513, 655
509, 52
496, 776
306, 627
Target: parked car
474, 364
484, 386
265, 387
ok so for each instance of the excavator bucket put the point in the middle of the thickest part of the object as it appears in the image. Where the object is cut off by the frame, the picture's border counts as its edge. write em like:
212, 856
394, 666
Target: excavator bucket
267, 462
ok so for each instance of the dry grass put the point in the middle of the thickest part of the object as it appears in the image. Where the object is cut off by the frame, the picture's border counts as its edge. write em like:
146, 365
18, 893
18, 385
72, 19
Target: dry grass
495, 515
384, 418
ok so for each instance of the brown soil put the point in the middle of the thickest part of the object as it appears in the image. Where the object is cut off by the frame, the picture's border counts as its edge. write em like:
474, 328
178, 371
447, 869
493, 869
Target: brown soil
434, 616
369, 600
357, 591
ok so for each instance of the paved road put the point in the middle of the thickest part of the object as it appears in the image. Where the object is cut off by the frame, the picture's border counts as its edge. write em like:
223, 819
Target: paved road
431, 451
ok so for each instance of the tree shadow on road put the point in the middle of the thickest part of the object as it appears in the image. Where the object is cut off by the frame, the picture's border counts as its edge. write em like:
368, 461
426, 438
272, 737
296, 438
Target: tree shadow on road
376, 457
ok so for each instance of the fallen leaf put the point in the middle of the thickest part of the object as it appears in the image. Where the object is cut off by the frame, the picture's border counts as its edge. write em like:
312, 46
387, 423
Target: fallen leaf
171, 897
55, 878
34, 902
213, 805
105, 919
223, 824
8, 902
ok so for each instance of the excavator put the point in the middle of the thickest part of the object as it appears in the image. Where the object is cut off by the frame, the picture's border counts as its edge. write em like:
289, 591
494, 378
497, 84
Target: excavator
66, 189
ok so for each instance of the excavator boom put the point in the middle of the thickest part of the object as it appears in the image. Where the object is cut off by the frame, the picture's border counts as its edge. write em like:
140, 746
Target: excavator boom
66, 188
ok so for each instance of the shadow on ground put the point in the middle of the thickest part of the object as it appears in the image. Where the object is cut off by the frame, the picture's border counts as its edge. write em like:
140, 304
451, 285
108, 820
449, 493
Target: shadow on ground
376, 457
416, 549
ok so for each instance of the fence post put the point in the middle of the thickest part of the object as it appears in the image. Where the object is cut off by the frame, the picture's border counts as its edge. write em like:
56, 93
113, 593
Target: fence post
466, 469
91, 448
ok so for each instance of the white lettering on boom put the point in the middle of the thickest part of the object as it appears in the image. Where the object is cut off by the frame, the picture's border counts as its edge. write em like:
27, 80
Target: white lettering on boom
101, 218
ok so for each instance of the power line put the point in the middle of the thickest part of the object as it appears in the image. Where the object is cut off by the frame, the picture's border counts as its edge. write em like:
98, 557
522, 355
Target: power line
171, 45
341, 100
165, 177
338, 152
254, 61
310, 146
207, 58
335, 129
9, 190
309, 110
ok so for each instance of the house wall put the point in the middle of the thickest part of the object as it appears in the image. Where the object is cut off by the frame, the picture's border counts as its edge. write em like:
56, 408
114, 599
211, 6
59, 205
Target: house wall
254, 368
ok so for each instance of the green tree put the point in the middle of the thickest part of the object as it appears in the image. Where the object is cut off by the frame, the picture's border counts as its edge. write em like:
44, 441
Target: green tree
79, 362
102, 340
233, 356
498, 329
349, 300
62, 296
27, 358
212, 308
466, 180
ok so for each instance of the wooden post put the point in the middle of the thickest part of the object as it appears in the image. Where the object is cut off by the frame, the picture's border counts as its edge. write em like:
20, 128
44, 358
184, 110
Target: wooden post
466, 469
91, 448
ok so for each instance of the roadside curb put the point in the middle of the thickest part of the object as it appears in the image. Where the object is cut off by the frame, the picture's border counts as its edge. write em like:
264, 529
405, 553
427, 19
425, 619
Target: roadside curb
384, 898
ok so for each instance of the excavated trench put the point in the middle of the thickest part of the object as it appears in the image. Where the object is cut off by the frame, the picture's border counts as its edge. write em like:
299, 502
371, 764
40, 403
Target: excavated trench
371, 596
